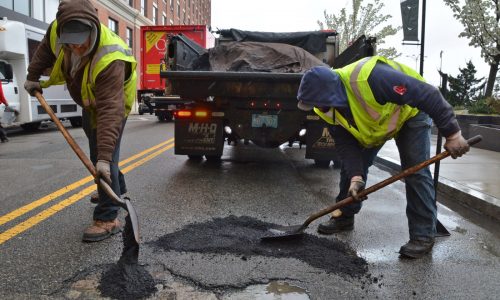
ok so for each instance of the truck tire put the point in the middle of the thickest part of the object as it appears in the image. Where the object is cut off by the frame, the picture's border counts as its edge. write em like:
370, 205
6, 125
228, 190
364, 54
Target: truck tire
31, 126
76, 122
322, 163
213, 158
194, 157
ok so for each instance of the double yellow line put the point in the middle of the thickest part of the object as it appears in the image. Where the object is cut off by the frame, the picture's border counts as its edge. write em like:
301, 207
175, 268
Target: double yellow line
6, 235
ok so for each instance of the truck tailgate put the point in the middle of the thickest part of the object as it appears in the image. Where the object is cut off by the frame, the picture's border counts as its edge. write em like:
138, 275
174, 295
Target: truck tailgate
201, 84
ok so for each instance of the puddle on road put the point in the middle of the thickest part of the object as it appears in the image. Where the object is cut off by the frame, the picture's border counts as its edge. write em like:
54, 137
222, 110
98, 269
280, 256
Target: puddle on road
275, 290
242, 236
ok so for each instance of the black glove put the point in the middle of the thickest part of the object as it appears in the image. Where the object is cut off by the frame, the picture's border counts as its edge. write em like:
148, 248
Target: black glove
32, 86
357, 185
103, 171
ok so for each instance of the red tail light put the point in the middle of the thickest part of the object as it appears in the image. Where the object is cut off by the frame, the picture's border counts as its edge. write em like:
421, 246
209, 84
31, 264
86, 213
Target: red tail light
183, 113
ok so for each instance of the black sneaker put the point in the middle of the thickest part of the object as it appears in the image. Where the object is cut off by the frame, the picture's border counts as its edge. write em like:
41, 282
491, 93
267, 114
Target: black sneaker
335, 225
416, 248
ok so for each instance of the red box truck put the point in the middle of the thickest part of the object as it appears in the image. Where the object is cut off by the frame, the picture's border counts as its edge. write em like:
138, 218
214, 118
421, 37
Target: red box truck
153, 95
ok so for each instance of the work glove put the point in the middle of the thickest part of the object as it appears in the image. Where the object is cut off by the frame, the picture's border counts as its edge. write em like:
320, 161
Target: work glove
357, 185
456, 145
32, 86
103, 171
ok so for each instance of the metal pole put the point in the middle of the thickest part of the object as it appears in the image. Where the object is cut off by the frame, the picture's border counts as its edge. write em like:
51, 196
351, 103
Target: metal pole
422, 42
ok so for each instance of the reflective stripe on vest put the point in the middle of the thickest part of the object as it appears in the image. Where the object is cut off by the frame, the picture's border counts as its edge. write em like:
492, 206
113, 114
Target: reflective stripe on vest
375, 123
111, 47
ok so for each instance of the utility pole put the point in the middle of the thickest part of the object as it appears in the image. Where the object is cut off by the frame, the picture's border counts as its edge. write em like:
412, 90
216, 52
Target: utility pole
422, 43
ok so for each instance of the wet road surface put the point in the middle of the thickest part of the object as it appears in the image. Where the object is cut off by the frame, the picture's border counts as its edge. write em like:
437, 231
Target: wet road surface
200, 223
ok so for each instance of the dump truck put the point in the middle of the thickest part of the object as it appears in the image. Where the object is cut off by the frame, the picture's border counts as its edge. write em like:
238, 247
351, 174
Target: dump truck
152, 95
245, 90
18, 43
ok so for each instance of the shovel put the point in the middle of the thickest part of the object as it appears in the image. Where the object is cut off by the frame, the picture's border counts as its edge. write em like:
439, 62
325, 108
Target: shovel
286, 232
125, 204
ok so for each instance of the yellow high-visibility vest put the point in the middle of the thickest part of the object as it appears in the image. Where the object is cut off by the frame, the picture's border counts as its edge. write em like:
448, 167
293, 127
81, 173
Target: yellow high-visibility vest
110, 48
375, 123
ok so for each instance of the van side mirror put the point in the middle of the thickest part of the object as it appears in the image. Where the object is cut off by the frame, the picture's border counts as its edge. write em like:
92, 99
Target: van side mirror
6, 70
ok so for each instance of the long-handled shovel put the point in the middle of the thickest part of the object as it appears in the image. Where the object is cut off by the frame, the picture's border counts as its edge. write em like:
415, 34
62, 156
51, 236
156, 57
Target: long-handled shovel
284, 232
125, 204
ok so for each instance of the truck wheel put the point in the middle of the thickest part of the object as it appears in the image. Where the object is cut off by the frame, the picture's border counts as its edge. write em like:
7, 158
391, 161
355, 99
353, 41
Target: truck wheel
214, 158
195, 157
31, 126
322, 163
76, 122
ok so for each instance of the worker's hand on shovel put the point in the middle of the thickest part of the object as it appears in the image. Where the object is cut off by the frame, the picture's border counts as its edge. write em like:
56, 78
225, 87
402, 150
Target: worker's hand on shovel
103, 171
456, 145
357, 185
32, 87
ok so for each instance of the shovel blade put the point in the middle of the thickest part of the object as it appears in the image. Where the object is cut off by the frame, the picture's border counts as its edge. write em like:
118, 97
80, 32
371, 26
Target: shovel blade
283, 232
133, 219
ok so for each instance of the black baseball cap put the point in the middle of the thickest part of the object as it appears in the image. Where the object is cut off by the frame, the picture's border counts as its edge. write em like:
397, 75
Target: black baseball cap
74, 32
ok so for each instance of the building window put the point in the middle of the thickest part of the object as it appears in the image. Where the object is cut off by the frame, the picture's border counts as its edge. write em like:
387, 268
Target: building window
171, 5
22, 6
10, 5
113, 25
130, 38
37, 10
131, 3
164, 19
178, 10
144, 8
155, 14
50, 10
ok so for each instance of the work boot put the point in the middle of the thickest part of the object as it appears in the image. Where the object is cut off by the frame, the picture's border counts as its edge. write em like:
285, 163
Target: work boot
416, 248
101, 230
337, 224
94, 198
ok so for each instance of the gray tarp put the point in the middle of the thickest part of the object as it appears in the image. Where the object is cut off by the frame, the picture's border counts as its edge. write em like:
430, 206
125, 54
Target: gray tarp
257, 57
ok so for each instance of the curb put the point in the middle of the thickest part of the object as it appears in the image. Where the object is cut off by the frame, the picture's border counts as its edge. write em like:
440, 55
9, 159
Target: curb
474, 200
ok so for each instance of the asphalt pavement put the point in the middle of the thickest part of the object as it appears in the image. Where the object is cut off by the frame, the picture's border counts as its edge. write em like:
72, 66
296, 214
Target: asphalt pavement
472, 180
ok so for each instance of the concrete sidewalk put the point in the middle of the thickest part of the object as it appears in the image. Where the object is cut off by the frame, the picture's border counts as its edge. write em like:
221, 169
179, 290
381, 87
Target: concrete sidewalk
472, 180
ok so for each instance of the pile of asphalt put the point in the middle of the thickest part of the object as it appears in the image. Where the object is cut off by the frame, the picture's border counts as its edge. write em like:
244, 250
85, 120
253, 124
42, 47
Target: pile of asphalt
242, 236
127, 279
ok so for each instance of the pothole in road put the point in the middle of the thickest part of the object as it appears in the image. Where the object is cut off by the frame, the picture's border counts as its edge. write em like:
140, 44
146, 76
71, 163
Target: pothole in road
241, 236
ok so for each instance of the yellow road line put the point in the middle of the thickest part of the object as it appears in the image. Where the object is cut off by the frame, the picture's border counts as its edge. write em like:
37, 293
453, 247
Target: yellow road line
45, 214
46, 199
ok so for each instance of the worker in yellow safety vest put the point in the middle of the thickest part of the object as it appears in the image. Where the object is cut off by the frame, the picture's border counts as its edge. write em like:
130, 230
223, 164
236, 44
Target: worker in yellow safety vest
99, 70
367, 103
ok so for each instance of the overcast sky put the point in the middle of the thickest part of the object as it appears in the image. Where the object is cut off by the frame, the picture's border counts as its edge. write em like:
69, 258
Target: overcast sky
441, 33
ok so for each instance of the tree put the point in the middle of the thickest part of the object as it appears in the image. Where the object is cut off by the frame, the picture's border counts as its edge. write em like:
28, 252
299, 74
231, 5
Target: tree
465, 89
362, 20
481, 21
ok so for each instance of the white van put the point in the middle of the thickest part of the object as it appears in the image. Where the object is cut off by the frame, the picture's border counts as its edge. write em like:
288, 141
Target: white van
18, 43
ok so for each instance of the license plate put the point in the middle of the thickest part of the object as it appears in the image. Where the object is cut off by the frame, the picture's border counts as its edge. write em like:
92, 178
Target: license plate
264, 121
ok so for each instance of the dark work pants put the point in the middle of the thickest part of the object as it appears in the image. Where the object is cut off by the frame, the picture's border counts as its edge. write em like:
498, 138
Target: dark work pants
106, 209
413, 142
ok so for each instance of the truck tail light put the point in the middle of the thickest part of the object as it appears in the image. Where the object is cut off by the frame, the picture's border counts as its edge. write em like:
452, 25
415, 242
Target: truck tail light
200, 114
183, 114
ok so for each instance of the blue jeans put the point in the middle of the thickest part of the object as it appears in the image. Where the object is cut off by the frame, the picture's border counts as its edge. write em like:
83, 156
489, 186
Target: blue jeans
413, 142
106, 209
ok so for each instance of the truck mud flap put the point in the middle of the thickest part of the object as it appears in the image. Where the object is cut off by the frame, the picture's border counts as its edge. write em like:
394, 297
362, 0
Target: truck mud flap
319, 143
197, 137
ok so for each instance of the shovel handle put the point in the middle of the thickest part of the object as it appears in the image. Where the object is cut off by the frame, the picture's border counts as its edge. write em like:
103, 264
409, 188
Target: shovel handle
78, 151
474, 140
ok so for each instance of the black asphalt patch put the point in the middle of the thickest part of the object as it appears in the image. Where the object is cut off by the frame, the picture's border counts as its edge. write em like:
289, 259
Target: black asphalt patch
127, 279
242, 236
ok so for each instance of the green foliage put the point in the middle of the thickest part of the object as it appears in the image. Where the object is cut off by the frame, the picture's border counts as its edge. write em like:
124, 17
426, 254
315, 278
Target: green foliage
481, 106
361, 20
465, 89
481, 20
